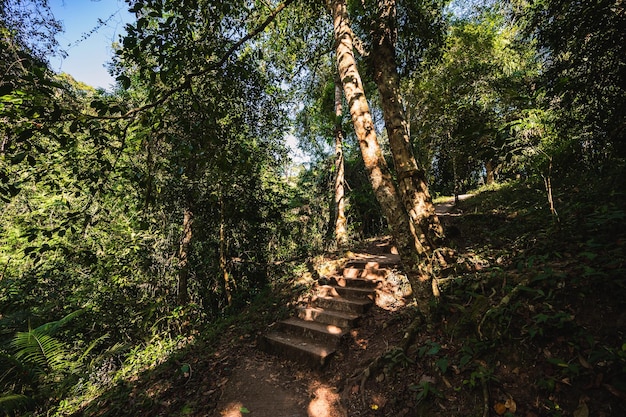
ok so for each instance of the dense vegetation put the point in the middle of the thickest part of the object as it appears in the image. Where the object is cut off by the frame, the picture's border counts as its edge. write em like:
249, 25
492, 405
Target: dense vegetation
141, 220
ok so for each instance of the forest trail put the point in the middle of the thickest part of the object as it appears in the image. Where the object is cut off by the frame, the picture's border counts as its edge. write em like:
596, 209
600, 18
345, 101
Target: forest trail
446, 207
265, 385
270, 386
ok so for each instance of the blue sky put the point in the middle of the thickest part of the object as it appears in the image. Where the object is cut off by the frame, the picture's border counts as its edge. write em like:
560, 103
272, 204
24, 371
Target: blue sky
87, 58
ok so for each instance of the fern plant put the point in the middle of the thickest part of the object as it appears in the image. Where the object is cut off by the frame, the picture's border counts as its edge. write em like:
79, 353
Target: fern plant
44, 353
37, 366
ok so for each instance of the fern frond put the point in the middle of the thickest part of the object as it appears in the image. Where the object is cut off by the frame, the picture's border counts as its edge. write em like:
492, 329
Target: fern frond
91, 346
13, 370
41, 350
10, 402
51, 327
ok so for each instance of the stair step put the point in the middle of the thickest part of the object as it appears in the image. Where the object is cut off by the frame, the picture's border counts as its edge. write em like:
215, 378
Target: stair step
342, 304
385, 261
347, 292
320, 315
297, 348
314, 335
328, 333
363, 264
353, 282
372, 273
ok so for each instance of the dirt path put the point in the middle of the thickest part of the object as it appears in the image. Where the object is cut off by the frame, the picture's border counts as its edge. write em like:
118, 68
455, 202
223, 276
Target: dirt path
263, 385
266, 386
447, 206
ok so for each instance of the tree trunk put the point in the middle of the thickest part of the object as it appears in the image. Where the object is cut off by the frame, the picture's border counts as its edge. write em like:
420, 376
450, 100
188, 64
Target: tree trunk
411, 177
455, 179
226, 279
183, 258
402, 229
341, 233
490, 170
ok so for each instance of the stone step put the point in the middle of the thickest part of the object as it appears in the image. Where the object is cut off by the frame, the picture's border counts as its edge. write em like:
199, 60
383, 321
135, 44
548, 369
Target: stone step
323, 332
381, 261
352, 282
347, 292
312, 337
363, 264
341, 304
337, 318
371, 273
297, 348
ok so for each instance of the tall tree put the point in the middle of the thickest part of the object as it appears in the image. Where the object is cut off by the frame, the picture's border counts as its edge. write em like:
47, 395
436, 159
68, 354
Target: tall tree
341, 232
463, 104
403, 230
410, 176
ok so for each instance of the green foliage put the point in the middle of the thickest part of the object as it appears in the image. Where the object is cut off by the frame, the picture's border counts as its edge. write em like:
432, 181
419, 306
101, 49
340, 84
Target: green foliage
94, 195
425, 390
419, 29
38, 365
583, 48
460, 103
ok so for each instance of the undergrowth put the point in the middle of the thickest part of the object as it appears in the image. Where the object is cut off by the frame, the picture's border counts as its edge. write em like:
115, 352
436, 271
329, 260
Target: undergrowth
537, 326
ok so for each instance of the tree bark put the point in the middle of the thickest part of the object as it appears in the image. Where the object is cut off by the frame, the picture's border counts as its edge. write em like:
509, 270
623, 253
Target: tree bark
226, 279
402, 229
341, 233
183, 258
410, 176
490, 171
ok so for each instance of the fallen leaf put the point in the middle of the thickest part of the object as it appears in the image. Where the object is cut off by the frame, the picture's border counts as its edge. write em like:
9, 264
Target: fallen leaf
500, 408
511, 405
427, 379
244, 410
582, 410
614, 391
584, 362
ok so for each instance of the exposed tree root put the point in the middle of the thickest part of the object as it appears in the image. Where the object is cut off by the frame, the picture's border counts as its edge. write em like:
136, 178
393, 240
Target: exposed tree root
485, 397
505, 301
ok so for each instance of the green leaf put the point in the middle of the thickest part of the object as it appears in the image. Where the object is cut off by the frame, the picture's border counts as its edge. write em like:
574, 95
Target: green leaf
42, 351
442, 364
18, 158
244, 410
433, 350
124, 81
53, 326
